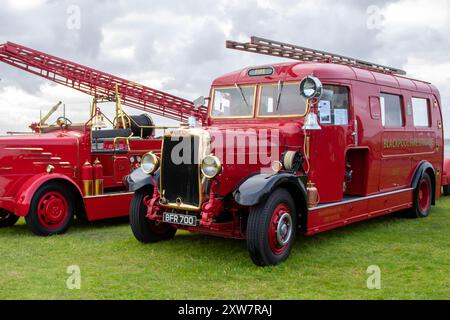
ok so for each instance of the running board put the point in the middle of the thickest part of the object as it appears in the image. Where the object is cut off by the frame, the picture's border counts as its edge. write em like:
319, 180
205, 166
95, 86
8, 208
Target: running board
333, 215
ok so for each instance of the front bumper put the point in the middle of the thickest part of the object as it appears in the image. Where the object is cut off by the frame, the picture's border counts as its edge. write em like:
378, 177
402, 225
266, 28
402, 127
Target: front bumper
207, 217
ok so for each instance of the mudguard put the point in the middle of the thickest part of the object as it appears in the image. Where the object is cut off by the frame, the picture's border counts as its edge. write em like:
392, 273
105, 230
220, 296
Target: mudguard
257, 188
424, 166
29, 188
139, 179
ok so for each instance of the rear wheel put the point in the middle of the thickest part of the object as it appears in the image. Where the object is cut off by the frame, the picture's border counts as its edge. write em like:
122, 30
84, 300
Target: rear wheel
7, 219
145, 230
51, 210
422, 198
271, 229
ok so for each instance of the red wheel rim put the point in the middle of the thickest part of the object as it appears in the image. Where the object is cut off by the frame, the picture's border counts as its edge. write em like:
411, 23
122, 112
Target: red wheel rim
53, 210
424, 195
280, 229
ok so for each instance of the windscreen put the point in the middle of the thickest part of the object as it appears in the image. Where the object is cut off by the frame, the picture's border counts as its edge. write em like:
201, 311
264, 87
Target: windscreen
232, 102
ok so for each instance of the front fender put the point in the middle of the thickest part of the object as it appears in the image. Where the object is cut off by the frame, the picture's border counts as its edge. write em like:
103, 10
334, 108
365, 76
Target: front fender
257, 188
29, 188
138, 179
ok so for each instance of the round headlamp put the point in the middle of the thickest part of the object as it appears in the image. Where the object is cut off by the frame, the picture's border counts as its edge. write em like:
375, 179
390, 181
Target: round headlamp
311, 88
211, 166
150, 163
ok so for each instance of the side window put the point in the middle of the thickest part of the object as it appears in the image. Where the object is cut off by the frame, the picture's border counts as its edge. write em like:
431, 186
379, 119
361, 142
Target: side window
421, 112
333, 105
391, 110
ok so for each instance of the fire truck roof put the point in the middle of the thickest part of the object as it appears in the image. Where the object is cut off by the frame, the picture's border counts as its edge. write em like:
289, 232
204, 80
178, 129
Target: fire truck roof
325, 71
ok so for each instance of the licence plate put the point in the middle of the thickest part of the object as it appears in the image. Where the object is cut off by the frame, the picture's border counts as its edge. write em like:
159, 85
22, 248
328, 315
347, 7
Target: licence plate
181, 219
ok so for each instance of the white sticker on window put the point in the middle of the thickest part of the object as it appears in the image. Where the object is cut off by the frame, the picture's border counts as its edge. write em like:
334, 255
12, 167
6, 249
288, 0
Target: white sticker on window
340, 117
270, 105
221, 101
325, 112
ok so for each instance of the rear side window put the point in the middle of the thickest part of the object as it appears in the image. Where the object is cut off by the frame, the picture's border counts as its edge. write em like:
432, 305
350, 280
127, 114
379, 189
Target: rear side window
421, 112
391, 110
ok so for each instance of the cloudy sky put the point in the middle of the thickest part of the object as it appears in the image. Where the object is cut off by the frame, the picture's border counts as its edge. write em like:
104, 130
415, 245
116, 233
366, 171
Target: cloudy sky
178, 46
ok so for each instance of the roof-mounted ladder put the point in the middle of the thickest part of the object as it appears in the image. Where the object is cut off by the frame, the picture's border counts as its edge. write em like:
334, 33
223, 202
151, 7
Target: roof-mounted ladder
290, 51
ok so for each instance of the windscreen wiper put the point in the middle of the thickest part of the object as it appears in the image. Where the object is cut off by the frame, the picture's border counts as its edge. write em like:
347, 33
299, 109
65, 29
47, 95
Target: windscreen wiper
242, 95
280, 90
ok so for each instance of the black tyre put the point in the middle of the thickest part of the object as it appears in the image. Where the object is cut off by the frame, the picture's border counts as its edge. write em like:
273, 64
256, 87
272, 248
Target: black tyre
7, 219
271, 229
51, 211
446, 190
145, 230
422, 198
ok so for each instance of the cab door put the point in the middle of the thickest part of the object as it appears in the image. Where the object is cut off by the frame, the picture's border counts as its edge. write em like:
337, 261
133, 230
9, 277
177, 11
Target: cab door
328, 146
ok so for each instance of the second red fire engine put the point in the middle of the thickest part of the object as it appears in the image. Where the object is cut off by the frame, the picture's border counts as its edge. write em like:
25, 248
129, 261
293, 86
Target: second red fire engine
65, 169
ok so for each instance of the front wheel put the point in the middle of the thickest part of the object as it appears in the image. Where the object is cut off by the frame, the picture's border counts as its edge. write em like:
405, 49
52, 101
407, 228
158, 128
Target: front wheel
422, 198
271, 229
145, 230
51, 211
7, 219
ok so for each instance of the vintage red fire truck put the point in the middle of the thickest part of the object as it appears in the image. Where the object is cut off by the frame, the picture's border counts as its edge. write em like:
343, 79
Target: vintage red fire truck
66, 169
356, 140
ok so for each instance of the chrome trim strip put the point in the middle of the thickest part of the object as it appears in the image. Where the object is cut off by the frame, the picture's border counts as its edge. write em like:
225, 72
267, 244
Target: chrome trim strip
335, 204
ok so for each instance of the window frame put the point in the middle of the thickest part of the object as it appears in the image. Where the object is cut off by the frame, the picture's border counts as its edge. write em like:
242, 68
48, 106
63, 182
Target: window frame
349, 105
253, 105
428, 112
402, 110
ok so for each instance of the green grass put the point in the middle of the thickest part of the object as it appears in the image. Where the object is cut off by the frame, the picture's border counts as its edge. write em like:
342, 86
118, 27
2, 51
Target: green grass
414, 257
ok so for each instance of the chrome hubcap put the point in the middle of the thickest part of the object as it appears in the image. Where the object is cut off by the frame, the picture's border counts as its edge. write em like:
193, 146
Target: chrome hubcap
284, 229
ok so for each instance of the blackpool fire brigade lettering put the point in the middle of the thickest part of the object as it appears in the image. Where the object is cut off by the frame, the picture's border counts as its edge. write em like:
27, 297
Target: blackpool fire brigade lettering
411, 143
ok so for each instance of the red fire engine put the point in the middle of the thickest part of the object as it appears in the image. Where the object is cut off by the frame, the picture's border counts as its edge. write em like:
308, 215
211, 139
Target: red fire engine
68, 169
355, 140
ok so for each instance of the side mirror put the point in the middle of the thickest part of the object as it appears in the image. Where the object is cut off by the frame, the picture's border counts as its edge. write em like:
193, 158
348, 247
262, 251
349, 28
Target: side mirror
311, 88
199, 102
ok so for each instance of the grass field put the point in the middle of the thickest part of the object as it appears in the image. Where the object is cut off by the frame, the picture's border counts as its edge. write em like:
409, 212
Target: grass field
413, 255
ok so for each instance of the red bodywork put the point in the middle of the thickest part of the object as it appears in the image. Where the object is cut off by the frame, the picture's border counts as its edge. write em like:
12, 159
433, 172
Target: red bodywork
382, 174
